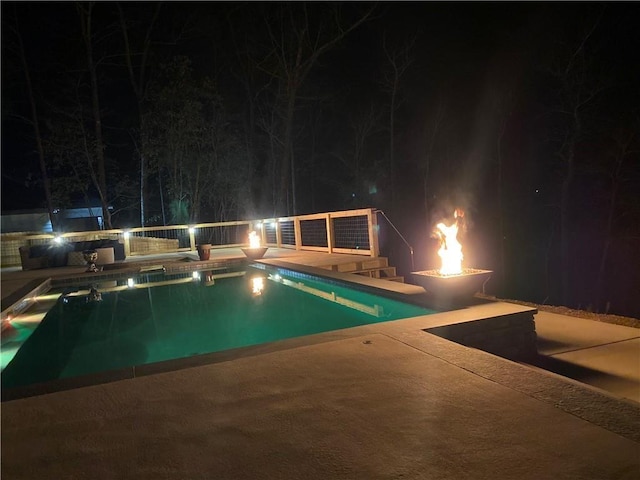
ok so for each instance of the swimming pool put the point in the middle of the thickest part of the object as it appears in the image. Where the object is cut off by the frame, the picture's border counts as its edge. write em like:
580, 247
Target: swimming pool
155, 317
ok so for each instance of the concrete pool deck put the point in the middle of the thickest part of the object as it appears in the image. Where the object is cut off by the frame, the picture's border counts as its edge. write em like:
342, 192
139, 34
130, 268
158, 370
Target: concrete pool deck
378, 401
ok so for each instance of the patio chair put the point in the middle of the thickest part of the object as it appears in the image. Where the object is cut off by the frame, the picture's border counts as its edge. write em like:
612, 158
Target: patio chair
29, 263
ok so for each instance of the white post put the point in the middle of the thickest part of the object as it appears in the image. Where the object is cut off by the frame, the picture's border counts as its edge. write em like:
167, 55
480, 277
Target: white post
297, 232
192, 238
263, 232
372, 221
330, 238
278, 234
127, 244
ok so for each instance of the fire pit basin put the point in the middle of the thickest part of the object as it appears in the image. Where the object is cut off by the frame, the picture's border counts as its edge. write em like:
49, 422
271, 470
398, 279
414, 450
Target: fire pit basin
254, 253
447, 290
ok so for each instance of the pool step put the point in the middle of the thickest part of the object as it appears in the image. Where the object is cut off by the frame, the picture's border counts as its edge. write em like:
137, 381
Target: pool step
360, 265
380, 272
387, 273
377, 267
399, 279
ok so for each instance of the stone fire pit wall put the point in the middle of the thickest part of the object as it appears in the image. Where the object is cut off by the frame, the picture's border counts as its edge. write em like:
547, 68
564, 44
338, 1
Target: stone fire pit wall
512, 336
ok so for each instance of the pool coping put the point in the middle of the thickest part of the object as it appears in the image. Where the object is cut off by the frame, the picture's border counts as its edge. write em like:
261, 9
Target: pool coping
591, 404
387, 286
422, 324
21, 299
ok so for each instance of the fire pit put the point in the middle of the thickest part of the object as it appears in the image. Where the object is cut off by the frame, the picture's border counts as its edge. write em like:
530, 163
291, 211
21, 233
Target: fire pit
447, 290
255, 251
451, 284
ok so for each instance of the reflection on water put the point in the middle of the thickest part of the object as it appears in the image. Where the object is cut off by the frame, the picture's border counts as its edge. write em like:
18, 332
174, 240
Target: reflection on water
257, 286
373, 309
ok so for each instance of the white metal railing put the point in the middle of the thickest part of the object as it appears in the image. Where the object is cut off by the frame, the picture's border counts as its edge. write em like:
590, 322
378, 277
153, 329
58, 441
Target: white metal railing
348, 231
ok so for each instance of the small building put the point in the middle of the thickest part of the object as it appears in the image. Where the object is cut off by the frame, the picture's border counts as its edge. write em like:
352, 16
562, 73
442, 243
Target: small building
77, 219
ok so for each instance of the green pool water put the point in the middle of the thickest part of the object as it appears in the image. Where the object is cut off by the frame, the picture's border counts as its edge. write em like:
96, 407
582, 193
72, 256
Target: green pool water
180, 316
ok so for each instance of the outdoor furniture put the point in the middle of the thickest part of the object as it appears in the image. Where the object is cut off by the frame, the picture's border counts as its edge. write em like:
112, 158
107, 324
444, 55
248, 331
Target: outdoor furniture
106, 256
76, 259
32, 263
52, 255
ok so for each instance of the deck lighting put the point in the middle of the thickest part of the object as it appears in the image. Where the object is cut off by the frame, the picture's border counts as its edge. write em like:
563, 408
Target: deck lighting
195, 275
58, 239
127, 234
192, 230
130, 282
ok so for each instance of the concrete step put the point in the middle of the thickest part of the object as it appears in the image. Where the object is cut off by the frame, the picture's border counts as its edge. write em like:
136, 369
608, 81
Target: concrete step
378, 262
373, 267
398, 279
359, 265
383, 272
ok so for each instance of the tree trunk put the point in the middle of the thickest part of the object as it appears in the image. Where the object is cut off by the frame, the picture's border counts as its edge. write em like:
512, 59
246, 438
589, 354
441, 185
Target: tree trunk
616, 180
46, 181
565, 230
288, 161
299, 45
391, 145
399, 60
143, 190
431, 132
138, 89
85, 17
503, 272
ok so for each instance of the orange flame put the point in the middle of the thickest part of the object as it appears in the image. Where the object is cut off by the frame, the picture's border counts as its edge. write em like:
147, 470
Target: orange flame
450, 251
254, 240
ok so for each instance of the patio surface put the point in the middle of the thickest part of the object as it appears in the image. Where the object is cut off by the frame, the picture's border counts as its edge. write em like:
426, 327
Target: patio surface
380, 401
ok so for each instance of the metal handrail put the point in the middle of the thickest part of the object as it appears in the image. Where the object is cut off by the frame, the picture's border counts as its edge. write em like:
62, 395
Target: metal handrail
401, 236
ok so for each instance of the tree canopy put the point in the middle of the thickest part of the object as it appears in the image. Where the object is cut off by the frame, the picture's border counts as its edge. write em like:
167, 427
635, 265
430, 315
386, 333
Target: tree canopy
525, 115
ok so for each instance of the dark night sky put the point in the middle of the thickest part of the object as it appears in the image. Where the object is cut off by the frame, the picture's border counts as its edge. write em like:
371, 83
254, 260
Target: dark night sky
488, 65
461, 49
